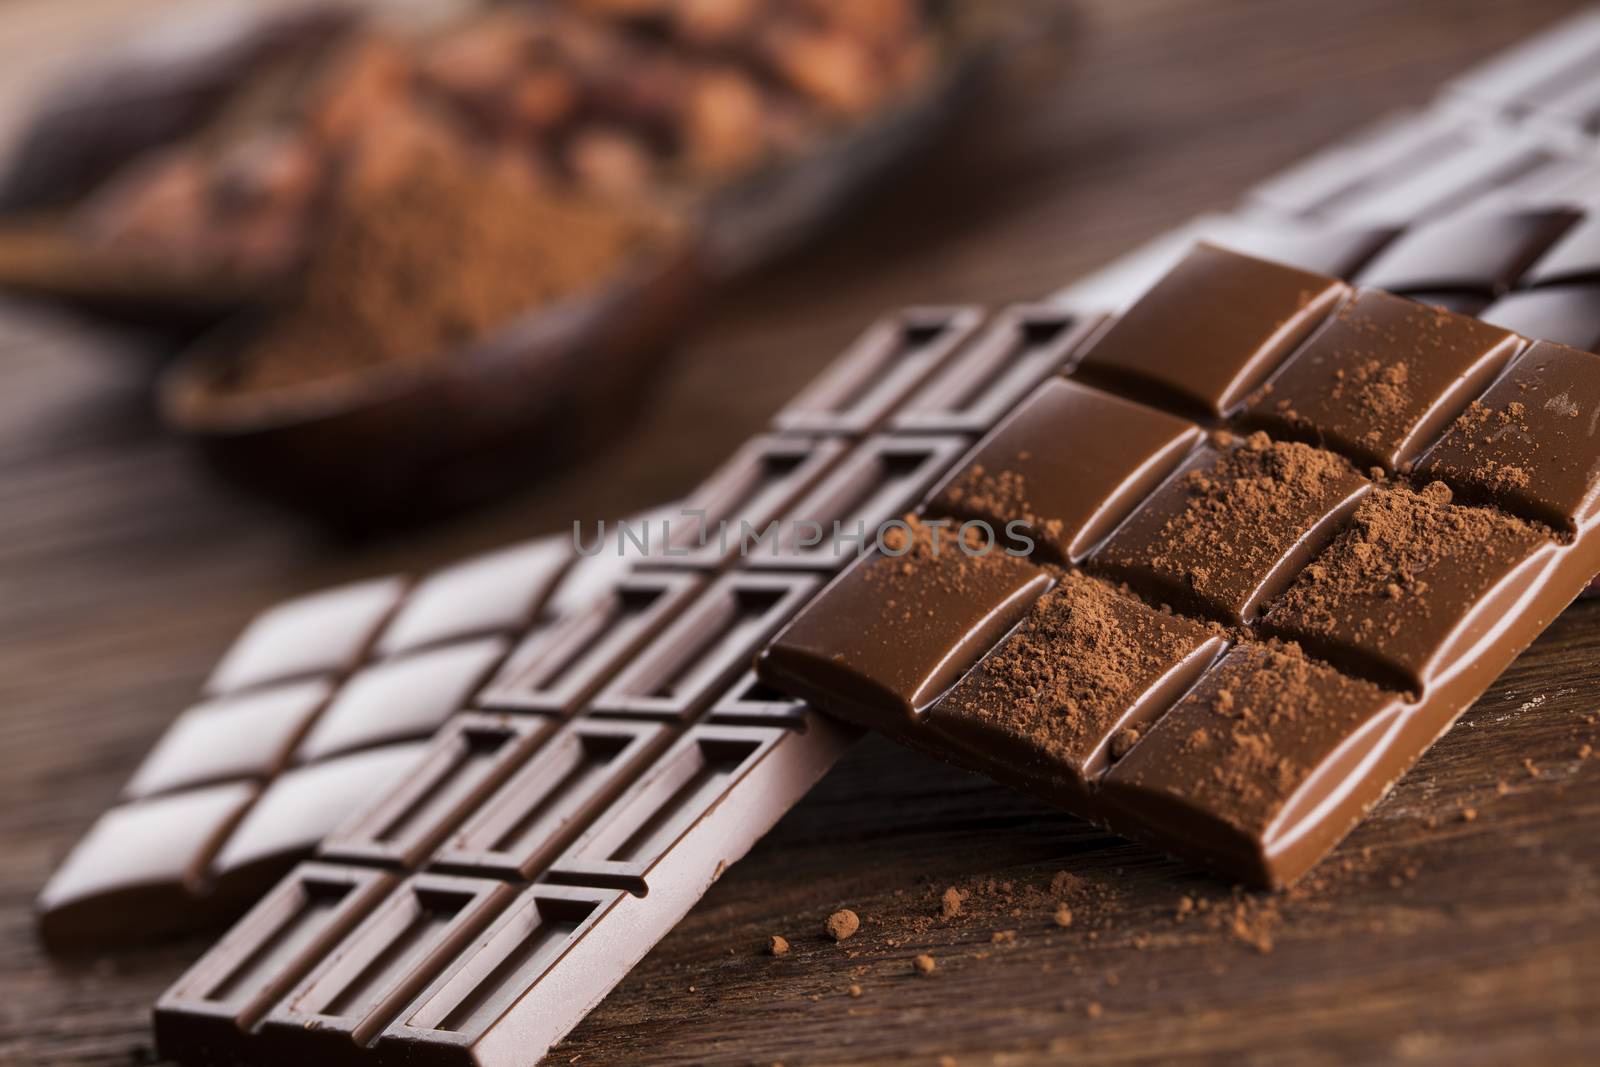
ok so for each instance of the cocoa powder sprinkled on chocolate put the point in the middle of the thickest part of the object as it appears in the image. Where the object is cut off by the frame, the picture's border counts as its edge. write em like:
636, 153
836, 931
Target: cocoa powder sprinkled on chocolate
1277, 490
1403, 540
1116, 648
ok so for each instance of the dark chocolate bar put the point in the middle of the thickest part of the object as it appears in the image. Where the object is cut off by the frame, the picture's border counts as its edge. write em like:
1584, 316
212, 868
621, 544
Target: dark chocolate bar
615, 763
1230, 643
322, 702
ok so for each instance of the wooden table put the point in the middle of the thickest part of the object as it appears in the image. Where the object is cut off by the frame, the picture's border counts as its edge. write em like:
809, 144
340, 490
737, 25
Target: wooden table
1429, 938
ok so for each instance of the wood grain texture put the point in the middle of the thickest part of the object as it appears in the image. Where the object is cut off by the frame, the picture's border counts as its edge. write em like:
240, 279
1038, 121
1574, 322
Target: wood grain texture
1427, 939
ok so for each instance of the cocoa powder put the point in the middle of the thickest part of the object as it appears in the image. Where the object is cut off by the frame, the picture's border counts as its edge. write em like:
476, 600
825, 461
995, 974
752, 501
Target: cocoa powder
442, 254
1085, 652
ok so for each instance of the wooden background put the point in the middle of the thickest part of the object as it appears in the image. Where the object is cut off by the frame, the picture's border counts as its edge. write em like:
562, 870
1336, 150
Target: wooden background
1428, 938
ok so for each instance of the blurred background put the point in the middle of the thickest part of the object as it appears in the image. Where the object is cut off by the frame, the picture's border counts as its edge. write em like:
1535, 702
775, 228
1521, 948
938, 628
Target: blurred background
293, 295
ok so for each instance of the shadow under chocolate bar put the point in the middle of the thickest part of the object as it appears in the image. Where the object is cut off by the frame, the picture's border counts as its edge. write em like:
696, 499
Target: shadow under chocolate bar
616, 763
1284, 532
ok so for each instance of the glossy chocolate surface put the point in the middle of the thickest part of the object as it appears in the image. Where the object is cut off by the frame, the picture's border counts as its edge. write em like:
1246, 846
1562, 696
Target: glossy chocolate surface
1477, 251
497, 592
146, 860
897, 355
1528, 443
1382, 378
1361, 611
1211, 330
1068, 464
1565, 314
402, 698
246, 736
1238, 758
1181, 543
916, 624
321, 633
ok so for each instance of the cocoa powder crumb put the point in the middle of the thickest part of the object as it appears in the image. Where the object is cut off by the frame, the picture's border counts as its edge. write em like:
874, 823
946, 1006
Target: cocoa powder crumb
777, 946
950, 903
842, 924
1123, 741
1063, 915
1063, 883
855, 991
924, 964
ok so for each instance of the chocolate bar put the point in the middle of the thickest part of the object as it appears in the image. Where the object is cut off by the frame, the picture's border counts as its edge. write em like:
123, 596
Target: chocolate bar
1264, 542
614, 764
322, 702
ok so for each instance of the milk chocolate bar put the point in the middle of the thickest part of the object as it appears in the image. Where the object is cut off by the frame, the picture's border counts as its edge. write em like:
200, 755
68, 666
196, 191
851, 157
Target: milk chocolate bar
1268, 538
616, 763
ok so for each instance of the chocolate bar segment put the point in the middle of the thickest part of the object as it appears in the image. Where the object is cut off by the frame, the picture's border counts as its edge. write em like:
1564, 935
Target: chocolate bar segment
464, 762
560, 666
1067, 465
690, 662
745, 497
1574, 258
623, 844
556, 950
295, 812
1337, 251
1382, 379
1021, 347
1211, 331
245, 736
519, 829
752, 702
1239, 767
322, 633
1485, 251
1412, 585
207, 1015
893, 358
1530, 443
1565, 314
362, 984
402, 698
494, 593
1182, 545
840, 519
514, 990
148, 859
1088, 668
920, 613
